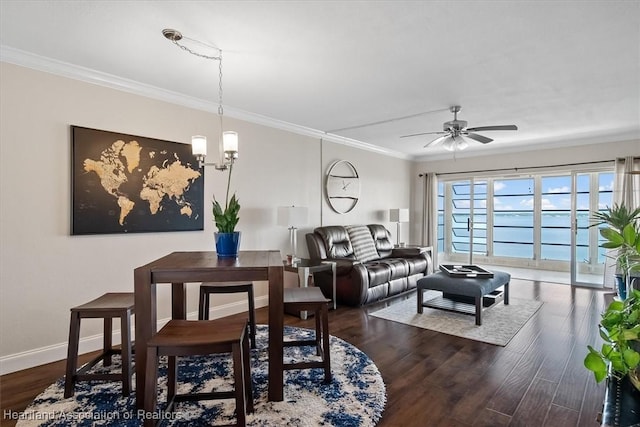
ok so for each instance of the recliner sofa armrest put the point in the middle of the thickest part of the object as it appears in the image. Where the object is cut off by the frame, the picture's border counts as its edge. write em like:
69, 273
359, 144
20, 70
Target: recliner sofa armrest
424, 252
352, 281
410, 252
315, 246
343, 265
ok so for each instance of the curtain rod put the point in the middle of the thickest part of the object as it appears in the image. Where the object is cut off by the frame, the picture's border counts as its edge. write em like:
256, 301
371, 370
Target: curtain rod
521, 169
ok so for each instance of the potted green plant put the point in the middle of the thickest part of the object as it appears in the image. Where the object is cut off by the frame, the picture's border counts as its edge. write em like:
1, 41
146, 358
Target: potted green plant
620, 330
620, 323
618, 218
627, 246
227, 239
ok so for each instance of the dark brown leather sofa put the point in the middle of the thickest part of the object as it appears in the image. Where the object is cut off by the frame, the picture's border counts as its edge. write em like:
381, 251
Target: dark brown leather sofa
369, 268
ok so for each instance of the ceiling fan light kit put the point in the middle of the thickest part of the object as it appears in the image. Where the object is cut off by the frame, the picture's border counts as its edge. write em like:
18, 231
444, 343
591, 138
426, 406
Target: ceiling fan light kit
455, 133
455, 143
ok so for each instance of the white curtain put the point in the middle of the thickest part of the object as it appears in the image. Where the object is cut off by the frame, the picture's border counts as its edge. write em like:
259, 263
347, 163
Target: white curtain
626, 189
430, 214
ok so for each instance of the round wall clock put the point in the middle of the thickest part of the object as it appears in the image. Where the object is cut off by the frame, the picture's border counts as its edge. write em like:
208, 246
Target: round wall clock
342, 186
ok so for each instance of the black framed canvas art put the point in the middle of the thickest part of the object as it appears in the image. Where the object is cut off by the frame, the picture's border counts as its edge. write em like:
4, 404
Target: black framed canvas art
131, 184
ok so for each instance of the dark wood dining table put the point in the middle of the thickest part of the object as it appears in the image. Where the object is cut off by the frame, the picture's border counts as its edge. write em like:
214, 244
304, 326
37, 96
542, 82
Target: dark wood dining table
179, 268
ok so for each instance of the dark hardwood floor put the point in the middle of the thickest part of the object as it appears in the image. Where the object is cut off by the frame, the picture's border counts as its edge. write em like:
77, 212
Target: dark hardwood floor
434, 379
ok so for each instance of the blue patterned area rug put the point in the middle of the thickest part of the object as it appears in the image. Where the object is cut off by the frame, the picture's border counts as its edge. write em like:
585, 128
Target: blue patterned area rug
355, 397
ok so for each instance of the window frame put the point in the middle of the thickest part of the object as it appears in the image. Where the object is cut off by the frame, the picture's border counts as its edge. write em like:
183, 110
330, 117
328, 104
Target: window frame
445, 251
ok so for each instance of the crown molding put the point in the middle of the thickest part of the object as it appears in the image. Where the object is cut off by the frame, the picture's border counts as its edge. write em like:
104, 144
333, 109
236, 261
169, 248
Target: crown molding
49, 65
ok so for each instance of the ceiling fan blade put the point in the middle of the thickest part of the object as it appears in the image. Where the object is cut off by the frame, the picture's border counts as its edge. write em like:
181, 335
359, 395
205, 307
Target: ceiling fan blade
499, 127
436, 141
479, 138
423, 133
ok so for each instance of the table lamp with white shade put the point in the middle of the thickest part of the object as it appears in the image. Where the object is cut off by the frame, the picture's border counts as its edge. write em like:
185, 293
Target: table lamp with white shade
399, 216
292, 217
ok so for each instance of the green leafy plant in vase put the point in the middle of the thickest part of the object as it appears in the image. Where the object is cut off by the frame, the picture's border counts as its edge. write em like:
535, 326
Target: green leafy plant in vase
227, 239
620, 330
627, 245
620, 323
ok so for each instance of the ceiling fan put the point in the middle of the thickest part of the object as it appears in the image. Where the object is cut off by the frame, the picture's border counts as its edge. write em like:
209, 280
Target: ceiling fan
456, 131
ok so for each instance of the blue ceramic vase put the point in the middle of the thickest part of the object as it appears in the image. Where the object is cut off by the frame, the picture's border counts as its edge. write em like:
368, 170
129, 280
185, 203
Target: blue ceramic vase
227, 244
621, 287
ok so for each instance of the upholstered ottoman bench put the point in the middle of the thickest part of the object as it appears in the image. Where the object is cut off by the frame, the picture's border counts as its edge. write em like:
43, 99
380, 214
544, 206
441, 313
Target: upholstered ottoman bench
469, 295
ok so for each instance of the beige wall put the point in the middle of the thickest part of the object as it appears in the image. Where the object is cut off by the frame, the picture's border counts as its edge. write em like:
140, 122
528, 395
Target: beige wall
44, 271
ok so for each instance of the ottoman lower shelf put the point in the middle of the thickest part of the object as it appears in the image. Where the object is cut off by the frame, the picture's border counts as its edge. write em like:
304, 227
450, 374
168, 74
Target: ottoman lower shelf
462, 304
488, 300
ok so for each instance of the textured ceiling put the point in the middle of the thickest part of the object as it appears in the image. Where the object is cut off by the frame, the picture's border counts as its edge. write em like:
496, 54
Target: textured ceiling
565, 72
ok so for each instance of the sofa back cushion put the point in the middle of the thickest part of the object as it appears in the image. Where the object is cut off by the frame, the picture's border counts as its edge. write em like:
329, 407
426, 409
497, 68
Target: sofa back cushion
364, 247
336, 241
382, 239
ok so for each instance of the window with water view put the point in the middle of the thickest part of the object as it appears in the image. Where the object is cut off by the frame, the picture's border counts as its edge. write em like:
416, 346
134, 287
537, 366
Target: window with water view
523, 221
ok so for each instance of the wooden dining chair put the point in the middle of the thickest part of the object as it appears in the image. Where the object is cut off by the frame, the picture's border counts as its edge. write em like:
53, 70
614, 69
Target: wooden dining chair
208, 288
107, 307
312, 300
200, 337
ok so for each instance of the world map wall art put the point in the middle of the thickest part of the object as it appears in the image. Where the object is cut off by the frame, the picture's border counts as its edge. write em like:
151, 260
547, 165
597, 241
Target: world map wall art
131, 184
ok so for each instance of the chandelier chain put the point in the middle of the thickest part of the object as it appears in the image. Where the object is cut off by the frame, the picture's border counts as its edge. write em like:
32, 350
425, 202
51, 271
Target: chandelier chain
185, 48
220, 109
214, 58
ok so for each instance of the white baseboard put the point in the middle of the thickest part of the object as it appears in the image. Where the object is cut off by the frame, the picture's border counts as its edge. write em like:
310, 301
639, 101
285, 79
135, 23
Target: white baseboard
53, 353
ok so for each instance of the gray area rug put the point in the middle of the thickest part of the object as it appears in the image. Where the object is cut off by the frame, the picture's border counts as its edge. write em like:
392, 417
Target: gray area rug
499, 324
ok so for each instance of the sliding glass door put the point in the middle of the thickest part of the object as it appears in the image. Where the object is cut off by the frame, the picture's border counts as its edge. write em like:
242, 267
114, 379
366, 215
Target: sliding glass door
591, 192
467, 210
534, 221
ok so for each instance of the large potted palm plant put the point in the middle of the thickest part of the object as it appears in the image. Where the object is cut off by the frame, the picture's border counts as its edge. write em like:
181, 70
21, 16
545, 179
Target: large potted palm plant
227, 238
626, 243
617, 218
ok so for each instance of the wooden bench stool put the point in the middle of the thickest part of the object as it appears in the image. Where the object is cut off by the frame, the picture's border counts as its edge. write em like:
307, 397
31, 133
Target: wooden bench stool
228, 288
106, 307
199, 337
311, 299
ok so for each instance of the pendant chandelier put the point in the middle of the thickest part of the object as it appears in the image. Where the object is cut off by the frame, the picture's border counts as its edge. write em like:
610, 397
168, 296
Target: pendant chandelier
228, 140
